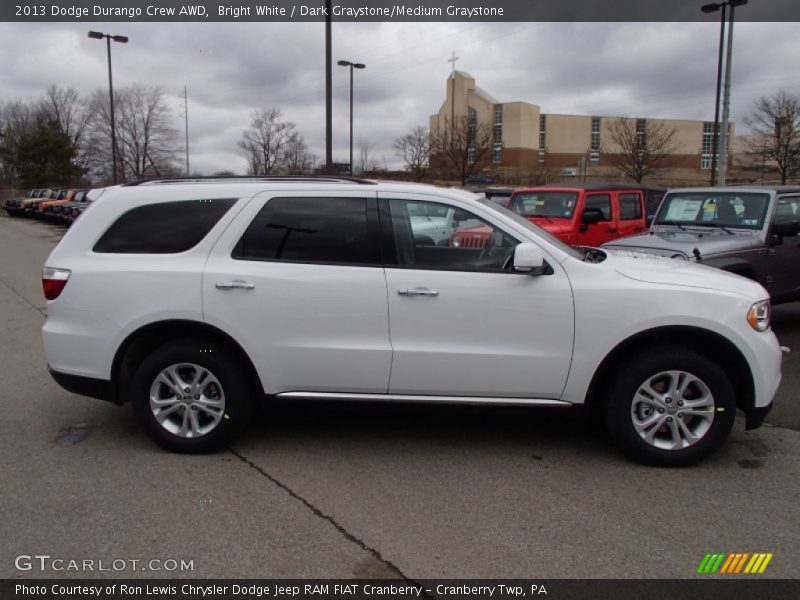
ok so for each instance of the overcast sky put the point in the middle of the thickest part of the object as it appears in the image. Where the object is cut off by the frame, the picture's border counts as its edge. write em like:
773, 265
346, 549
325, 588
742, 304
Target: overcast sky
663, 70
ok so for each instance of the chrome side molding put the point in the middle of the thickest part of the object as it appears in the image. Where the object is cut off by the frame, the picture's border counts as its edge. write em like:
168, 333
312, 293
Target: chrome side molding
354, 397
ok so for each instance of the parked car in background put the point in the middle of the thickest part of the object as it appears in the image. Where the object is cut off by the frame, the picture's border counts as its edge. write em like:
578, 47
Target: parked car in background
194, 299
748, 231
73, 210
63, 197
16, 206
584, 215
579, 215
480, 179
27, 205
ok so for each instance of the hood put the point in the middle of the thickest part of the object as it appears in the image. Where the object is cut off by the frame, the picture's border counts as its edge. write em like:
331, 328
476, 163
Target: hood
555, 225
710, 242
669, 271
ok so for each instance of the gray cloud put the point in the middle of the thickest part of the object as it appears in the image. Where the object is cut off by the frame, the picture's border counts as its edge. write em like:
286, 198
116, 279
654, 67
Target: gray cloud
646, 69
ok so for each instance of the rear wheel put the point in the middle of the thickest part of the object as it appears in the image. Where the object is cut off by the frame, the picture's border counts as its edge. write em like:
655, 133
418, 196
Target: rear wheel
669, 407
191, 396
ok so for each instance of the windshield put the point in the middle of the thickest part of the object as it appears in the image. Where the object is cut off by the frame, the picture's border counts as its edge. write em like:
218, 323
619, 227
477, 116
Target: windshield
714, 209
535, 228
559, 205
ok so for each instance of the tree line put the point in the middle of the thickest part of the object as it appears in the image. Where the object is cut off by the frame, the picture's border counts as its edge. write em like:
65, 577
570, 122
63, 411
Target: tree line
63, 138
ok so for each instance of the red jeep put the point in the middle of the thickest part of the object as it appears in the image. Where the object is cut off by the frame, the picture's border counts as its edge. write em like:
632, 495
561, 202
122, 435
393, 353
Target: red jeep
580, 215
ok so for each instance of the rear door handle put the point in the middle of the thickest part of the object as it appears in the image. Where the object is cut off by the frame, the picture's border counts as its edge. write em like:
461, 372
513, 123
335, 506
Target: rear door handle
418, 292
235, 285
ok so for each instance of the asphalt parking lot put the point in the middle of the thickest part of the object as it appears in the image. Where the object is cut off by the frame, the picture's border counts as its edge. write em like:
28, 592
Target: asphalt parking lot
318, 490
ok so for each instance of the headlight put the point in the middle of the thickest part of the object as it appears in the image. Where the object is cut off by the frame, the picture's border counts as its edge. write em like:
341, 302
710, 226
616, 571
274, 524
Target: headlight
758, 315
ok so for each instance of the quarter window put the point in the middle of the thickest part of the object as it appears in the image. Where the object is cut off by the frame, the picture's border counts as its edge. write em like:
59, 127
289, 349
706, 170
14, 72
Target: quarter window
315, 230
163, 228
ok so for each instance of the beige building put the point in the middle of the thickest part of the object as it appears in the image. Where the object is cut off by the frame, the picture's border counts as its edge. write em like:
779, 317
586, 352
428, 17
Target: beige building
527, 139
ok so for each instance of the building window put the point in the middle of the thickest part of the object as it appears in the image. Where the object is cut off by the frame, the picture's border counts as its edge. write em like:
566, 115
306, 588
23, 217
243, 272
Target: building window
641, 136
707, 152
472, 123
594, 157
497, 154
498, 123
595, 141
542, 137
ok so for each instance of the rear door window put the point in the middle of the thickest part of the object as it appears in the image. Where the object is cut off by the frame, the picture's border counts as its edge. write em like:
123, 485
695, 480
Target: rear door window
599, 202
630, 207
313, 230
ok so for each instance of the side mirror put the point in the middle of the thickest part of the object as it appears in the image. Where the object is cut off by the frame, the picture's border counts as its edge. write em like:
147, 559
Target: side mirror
787, 228
775, 239
529, 258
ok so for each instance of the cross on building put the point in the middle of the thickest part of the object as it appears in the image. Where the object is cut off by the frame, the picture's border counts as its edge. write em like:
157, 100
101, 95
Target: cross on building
453, 60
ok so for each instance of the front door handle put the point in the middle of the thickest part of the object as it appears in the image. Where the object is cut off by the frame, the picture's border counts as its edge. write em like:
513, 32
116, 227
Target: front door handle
235, 285
420, 291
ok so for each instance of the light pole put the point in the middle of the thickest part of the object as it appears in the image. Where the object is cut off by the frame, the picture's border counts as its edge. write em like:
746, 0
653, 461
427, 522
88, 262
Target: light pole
122, 39
720, 143
352, 65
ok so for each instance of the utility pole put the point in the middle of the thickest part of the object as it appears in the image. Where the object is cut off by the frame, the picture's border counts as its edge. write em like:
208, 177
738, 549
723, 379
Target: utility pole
715, 142
186, 115
726, 107
328, 92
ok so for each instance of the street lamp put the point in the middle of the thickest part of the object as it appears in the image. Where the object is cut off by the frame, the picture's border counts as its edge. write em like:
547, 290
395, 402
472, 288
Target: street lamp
122, 39
352, 65
721, 139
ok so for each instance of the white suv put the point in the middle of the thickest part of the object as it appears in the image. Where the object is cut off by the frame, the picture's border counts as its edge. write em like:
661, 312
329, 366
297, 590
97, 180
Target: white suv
192, 299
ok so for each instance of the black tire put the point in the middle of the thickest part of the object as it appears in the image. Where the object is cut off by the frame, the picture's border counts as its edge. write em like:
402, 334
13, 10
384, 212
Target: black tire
620, 409
234, 388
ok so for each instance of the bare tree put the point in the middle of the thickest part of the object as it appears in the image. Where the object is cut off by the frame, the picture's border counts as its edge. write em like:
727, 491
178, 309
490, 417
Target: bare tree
640, 147
776, 133
68, 110
296, 159
366, 156
415, 150
146, 141
462, 149
264, 145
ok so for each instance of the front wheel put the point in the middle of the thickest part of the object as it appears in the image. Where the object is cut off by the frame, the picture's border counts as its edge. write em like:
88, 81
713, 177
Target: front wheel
669, 407
191, 396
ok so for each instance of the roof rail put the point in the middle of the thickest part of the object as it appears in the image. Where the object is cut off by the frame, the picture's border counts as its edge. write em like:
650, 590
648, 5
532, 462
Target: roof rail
254, 178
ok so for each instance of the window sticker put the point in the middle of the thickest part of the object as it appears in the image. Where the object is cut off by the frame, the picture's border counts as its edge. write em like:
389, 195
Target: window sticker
683, 210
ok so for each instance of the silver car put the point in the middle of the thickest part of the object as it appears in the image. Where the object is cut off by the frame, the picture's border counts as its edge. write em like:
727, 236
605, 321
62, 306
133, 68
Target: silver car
750, 231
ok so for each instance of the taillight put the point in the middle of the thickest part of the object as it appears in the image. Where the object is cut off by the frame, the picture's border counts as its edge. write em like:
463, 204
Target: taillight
54, 281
